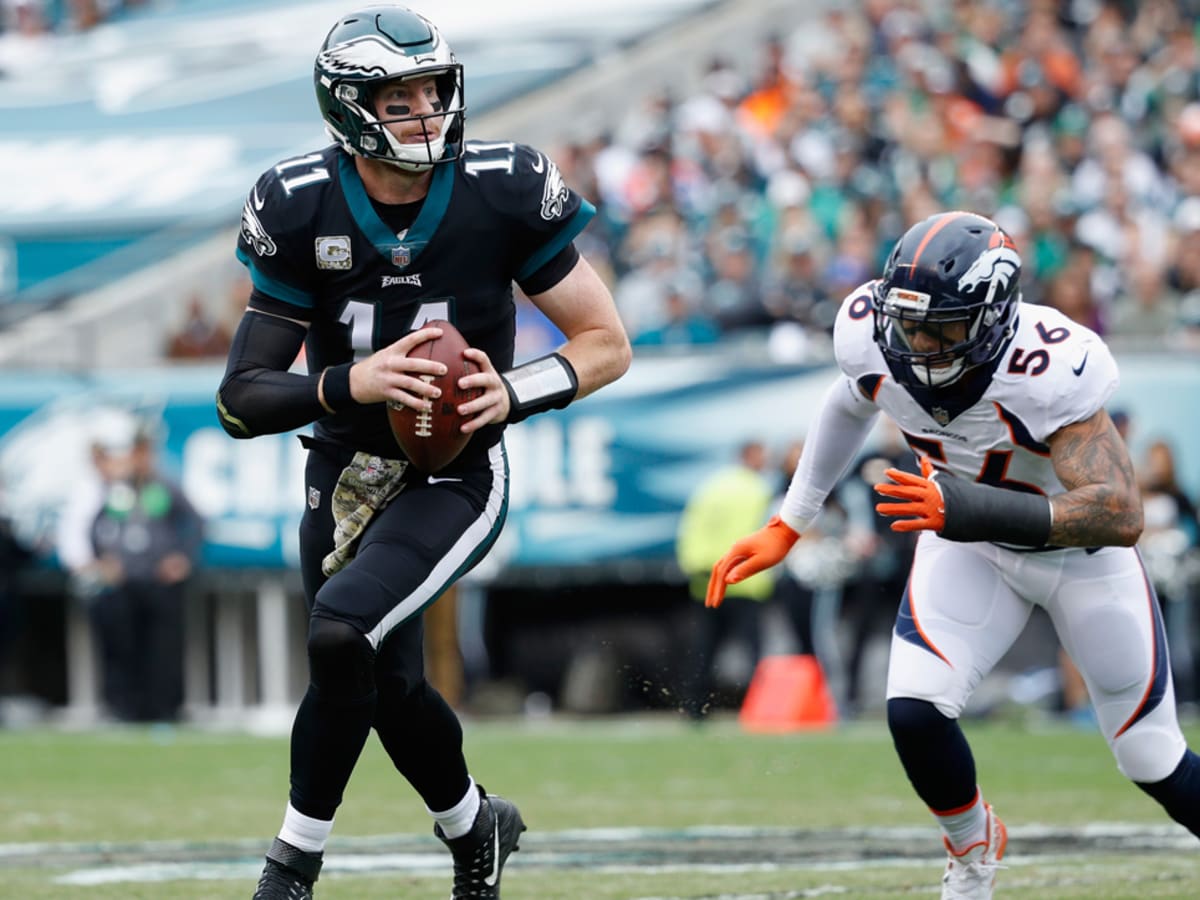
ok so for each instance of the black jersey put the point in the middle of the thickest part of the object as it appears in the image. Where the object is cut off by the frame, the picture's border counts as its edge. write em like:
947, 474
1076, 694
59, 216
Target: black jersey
319, 251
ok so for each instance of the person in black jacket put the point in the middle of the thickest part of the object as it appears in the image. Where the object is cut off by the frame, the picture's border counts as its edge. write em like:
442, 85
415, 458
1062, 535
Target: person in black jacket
146, 538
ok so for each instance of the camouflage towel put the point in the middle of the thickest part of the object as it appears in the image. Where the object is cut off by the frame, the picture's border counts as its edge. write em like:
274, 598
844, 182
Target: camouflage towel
364, 487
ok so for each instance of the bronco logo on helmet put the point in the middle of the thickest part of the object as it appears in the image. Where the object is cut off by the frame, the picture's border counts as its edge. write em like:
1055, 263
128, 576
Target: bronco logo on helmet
996, 266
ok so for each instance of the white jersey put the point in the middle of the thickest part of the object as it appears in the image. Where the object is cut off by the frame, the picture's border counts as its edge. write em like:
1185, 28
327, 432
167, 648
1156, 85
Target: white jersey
966, 603
1053, 373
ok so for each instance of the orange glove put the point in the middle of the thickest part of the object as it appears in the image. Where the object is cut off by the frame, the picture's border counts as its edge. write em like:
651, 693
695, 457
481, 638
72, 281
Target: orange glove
923, 501
749, 556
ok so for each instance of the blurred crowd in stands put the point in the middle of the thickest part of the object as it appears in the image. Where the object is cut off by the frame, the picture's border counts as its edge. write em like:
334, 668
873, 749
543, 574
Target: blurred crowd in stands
753, 205
31, 19
758, 203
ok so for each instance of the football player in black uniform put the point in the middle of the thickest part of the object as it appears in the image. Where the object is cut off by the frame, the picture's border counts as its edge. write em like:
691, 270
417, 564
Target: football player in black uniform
351, 249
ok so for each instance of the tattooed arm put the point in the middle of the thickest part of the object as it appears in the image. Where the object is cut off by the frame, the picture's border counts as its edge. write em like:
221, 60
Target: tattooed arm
1102, 506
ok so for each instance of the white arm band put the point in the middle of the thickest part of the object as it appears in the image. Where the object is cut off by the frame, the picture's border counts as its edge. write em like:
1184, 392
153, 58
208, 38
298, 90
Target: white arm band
833, 442
546, 383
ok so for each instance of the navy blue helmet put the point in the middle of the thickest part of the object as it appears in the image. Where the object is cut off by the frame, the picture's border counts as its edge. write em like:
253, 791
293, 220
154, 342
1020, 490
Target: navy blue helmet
947, 300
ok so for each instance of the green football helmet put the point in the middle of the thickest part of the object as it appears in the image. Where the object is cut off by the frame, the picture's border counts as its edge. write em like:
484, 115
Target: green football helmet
379, 44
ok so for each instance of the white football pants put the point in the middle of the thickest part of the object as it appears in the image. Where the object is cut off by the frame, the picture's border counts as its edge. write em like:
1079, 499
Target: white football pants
967, 603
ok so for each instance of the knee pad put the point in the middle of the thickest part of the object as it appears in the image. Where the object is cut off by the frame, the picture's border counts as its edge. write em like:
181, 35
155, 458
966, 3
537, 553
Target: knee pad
341, 660
1147, 754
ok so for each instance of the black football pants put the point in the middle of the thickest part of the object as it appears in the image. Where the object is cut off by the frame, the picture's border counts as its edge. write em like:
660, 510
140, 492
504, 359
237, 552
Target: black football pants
367, 670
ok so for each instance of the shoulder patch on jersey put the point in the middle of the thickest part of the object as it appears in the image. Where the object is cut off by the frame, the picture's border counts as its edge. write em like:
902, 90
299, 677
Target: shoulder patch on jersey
252, 228
554, 191
1055, 371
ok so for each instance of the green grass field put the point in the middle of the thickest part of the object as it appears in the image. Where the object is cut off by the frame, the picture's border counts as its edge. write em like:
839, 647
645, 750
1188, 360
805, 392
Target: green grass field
617, 808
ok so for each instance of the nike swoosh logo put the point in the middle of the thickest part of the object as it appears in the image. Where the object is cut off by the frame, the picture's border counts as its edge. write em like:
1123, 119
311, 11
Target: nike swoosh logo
540, 165
491, 879
1078, 370
432, 480
258, 201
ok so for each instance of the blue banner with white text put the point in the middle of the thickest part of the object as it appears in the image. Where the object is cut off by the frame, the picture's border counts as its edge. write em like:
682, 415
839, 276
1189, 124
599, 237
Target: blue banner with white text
599, 483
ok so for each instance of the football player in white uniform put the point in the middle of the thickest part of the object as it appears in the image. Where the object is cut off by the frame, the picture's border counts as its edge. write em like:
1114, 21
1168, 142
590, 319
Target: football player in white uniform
1027, 496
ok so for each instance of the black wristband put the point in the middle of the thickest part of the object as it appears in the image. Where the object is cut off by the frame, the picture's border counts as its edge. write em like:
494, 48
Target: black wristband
981, 512
546, 383
336, 387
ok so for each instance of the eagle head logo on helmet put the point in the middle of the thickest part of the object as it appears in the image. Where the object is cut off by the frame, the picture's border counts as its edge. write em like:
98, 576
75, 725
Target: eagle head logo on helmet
379, 44
369, 56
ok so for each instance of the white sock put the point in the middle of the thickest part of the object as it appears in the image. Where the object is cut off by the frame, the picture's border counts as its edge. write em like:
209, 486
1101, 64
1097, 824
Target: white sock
965, 826
458, 820
305, 832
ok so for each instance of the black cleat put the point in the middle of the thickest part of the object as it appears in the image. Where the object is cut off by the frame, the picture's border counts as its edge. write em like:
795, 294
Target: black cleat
289, 873
479, 854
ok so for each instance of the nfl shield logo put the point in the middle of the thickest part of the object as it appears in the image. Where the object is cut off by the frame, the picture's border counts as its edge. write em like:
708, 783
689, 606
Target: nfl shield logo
400, 256
940, 415
314, 498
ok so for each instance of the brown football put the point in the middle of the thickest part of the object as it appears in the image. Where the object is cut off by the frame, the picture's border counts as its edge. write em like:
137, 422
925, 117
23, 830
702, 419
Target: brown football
432, 440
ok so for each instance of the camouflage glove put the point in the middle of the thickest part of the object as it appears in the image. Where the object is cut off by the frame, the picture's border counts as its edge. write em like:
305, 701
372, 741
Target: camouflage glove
364, 487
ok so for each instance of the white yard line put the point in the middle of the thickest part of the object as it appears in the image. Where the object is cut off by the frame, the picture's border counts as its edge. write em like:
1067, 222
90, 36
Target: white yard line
646, 850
